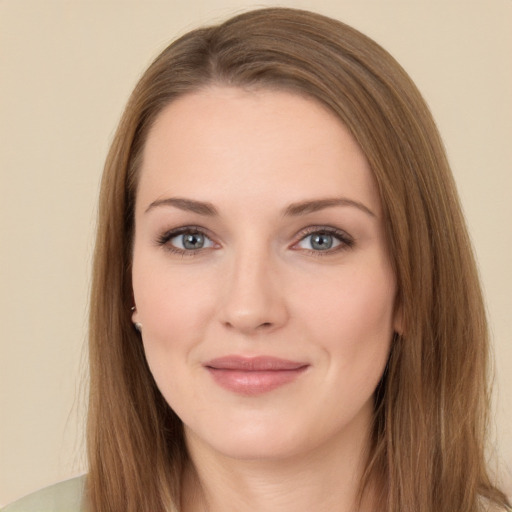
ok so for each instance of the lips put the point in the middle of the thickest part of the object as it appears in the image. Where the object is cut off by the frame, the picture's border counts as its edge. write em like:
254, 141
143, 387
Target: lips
254, 375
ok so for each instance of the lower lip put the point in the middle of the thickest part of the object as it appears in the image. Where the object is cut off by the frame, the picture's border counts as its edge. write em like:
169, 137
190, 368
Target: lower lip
254, 382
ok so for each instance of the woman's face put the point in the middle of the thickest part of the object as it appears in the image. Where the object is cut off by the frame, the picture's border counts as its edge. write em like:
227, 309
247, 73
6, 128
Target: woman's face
261, 274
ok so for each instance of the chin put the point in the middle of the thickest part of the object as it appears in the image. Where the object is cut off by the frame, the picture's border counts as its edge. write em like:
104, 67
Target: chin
258, 441
260, 448
255, 440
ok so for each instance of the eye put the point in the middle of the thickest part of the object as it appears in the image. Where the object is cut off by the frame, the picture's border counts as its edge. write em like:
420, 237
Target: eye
191, 241
324, 240
185, 240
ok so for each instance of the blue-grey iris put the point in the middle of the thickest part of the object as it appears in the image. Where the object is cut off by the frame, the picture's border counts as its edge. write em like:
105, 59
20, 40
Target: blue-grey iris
193, 241
321, 241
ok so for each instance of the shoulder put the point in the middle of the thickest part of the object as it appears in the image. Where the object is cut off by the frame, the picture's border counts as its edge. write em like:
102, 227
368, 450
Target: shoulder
65, 496
495, 508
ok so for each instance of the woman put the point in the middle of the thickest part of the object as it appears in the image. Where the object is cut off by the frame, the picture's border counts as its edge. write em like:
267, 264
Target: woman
285, 310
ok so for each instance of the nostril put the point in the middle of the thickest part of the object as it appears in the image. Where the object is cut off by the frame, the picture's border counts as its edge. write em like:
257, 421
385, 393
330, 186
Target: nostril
256, 326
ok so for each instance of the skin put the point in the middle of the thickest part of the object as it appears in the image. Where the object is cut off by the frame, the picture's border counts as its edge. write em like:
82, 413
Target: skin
260, 287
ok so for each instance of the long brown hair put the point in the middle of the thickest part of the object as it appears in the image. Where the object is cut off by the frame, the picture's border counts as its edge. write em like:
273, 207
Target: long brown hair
431, 406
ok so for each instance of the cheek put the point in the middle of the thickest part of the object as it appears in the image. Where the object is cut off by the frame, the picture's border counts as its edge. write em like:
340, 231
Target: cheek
352, 321
175, 309
352, 302
170, 310
172, 303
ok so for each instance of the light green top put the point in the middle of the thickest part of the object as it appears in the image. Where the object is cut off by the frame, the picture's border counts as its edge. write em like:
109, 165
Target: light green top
65, 496
62, 497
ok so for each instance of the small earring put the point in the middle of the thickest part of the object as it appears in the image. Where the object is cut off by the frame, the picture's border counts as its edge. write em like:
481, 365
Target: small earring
137, 325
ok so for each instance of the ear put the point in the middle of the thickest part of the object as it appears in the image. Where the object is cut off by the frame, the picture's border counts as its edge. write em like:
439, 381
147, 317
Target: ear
135, 319
398, 320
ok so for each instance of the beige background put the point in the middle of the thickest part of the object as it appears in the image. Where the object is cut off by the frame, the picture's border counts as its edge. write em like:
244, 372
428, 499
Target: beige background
66, 69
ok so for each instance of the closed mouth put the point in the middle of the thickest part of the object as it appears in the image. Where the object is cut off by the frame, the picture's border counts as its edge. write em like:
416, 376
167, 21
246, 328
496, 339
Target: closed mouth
254, 375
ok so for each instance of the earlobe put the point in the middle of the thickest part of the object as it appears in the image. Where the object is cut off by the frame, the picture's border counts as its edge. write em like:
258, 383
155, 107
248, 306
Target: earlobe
135, 315
398, 321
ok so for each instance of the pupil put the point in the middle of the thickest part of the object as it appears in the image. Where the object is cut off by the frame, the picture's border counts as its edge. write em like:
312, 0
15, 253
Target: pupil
193, 241
321, 242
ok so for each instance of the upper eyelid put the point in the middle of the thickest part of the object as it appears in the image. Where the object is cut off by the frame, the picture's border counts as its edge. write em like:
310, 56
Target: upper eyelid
169, 234
323, 229
345, 239
185, 229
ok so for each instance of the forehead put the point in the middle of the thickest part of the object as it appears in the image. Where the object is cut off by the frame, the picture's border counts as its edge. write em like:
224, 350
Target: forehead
224, 141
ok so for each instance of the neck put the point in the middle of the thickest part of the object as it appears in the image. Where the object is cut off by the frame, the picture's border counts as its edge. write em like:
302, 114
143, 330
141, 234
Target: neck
325, 479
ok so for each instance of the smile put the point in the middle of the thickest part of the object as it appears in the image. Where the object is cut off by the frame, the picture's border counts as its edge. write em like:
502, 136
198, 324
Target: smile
254, 375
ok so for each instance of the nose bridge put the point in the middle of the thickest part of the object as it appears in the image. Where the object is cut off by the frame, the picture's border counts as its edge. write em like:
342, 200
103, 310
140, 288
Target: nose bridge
253, 299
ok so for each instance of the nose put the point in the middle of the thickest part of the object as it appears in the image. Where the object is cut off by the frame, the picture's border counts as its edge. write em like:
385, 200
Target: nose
254, 300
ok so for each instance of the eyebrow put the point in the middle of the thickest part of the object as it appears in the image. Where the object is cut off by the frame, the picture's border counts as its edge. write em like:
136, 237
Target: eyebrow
305, 207
293, 210
188, 205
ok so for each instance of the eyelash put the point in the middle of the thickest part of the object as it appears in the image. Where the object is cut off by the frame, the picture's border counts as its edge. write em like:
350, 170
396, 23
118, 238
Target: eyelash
163, 240
346, 241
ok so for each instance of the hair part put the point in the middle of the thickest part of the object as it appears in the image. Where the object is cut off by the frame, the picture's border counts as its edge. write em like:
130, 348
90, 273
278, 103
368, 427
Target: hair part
431, 407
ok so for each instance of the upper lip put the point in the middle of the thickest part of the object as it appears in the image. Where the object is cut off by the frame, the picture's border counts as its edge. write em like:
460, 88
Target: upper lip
253, 364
